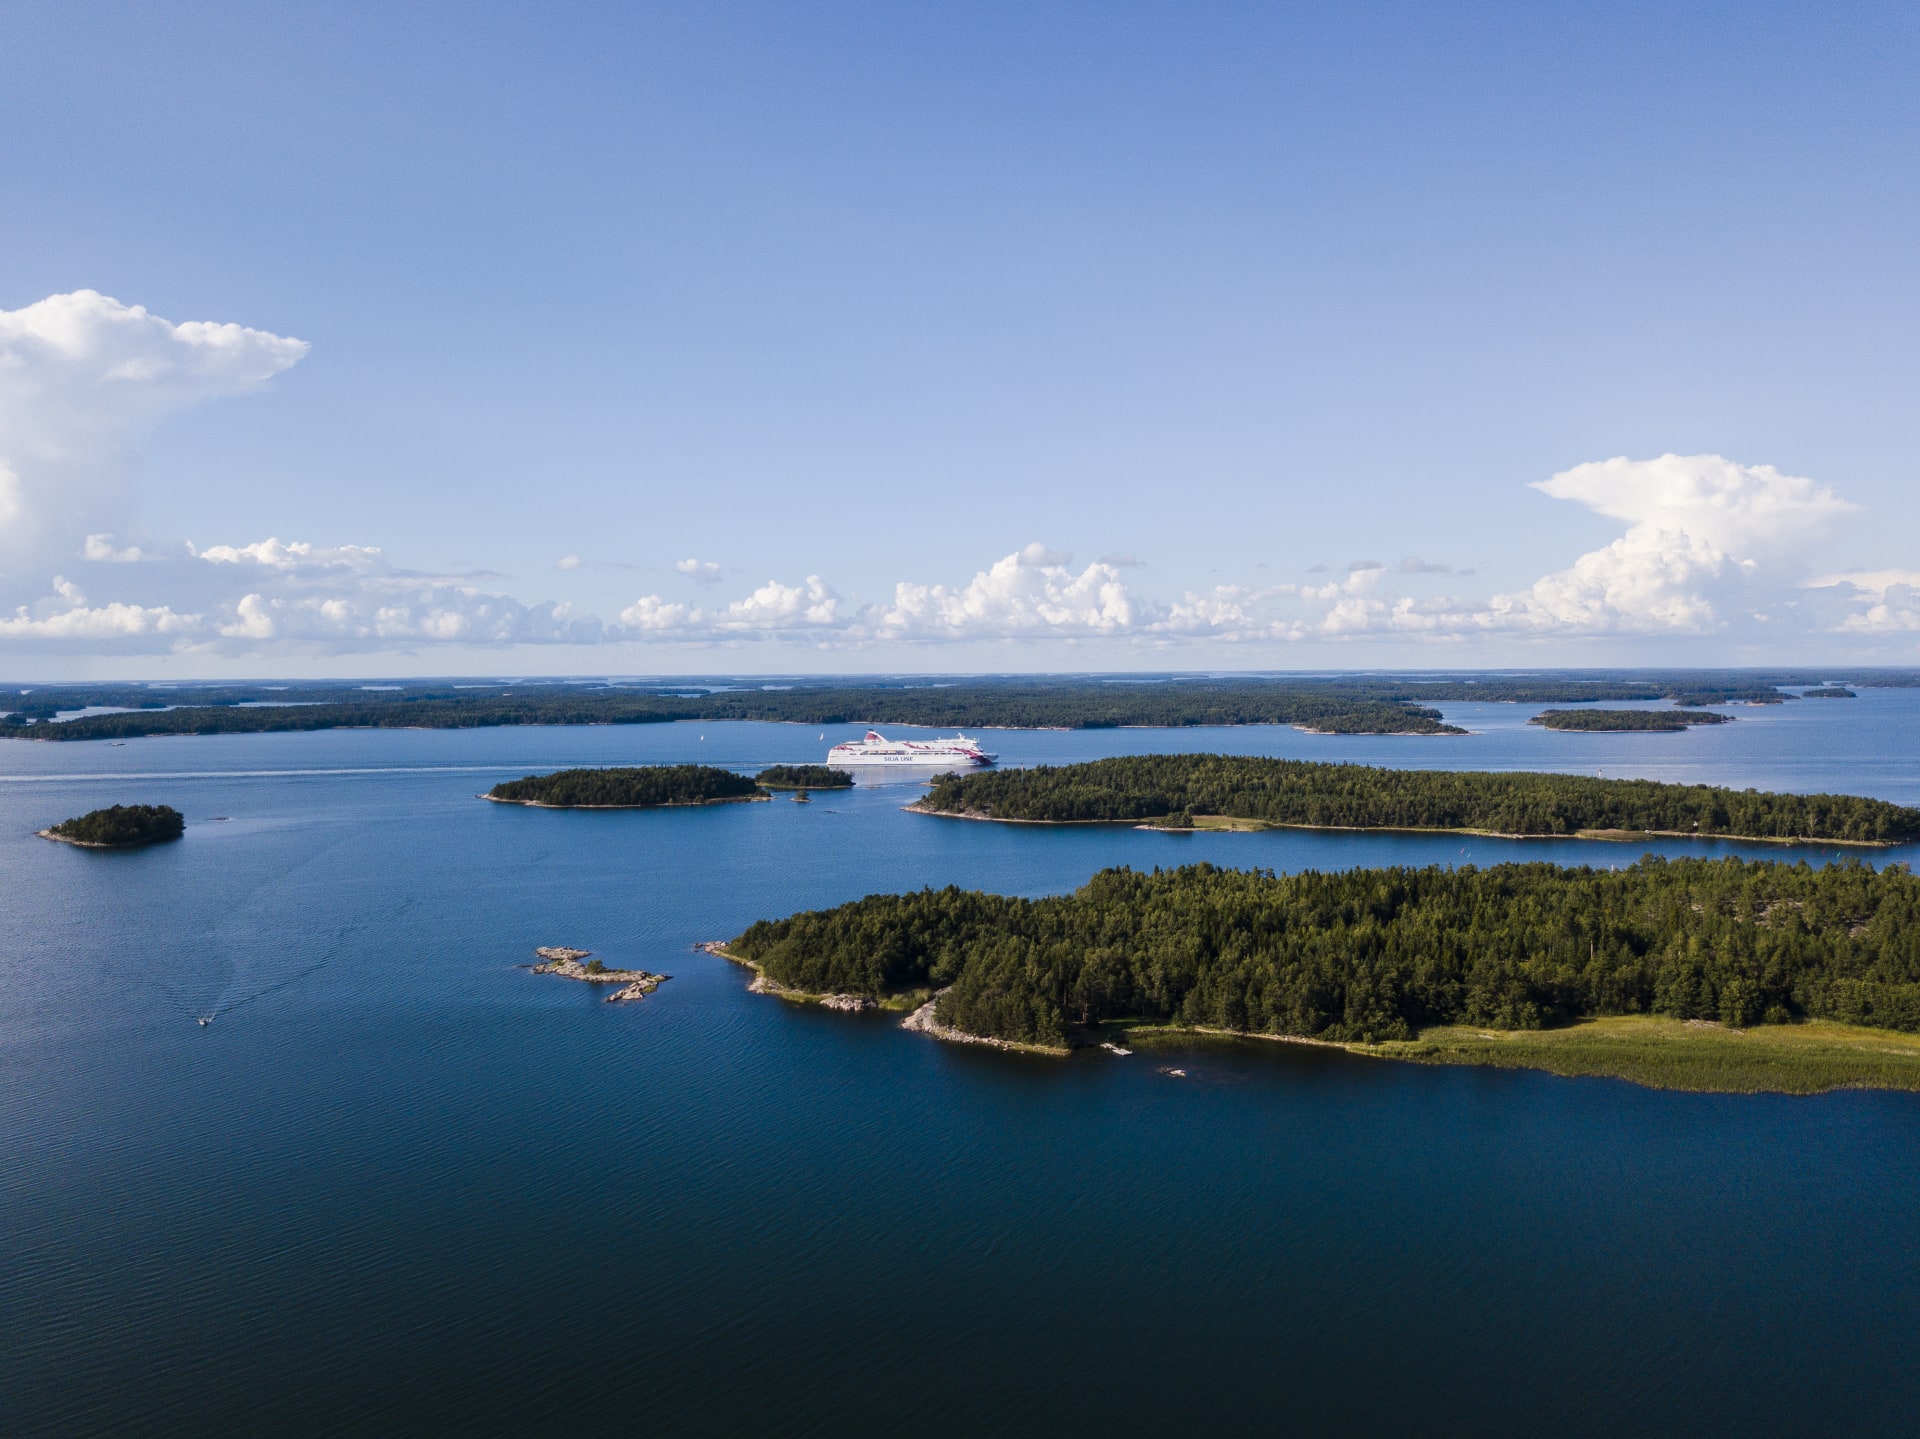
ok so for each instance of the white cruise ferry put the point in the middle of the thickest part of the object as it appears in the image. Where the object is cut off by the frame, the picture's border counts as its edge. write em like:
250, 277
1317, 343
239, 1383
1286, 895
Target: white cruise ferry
876, 748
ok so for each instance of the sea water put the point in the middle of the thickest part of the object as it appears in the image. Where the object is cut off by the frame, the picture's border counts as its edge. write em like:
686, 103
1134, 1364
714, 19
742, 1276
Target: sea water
400, 1184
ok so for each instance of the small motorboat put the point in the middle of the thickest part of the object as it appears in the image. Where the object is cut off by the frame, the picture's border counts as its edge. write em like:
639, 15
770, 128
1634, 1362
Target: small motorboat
205, 1020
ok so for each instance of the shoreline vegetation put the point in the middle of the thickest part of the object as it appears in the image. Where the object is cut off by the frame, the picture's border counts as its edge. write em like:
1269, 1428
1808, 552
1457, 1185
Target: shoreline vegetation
1335, 704
764, 983
1229, 824
1723, 975
1627, 721
803, 777
1211, 791
1698, 1055
120, 826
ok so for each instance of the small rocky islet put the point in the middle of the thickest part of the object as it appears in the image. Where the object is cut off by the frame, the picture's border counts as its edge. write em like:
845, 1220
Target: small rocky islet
579, 964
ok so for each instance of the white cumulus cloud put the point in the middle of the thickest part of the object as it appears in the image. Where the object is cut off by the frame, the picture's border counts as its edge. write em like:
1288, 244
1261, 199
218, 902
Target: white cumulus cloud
81, 375
67, 616
1029, 593
1868, 602
1740, 509
102, 550
701, 572
1708, 541
298, 558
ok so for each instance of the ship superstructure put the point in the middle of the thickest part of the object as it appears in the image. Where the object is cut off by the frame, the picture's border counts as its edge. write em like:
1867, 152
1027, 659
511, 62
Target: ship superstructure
876, 748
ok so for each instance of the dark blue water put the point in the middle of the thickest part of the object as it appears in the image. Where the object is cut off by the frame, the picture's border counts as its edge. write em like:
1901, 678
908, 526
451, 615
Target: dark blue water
400, 1184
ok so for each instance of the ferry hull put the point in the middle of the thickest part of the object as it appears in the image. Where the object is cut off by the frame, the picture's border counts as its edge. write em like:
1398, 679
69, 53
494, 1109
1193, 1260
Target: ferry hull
876, 749
922, 760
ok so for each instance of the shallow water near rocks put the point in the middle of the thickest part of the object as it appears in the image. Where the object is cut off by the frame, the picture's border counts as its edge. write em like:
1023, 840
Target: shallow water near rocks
400, 1183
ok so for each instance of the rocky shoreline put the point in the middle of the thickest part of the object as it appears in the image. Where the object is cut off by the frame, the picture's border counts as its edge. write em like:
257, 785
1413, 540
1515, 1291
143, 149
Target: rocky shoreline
1237, 825
763, 983
670, 804
921, 1021
94, 843
635, 983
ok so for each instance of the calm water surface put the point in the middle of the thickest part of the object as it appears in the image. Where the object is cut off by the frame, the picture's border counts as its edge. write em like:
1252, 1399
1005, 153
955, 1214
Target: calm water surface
401, 1184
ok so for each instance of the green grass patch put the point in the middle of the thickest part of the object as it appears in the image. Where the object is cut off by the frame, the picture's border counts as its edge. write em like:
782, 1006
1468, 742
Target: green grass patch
1809, 1058
1805, 1058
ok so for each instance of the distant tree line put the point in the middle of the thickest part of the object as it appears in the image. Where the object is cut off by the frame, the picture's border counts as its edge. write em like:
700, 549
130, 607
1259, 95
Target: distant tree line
1828, 692
804, 776
636, 788
1612, 720
1363, 704
1377, 954
1082, 706
124, 824
1151, 787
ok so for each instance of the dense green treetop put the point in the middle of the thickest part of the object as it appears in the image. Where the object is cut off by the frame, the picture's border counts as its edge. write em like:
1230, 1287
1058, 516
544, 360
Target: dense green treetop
804, 776
1377, 954
124, 824
1659, 721
1147, 787
1828, 692
639, 788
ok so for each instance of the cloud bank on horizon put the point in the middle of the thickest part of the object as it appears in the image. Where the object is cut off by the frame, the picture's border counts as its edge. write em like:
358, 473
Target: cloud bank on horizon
1711, 547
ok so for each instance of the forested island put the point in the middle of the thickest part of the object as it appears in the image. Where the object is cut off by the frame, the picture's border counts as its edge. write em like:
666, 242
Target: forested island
643, 787
971, 705
804, 776
1374, 957
1336, 704
1616, 721
1178, 790
121, 826
1828, 692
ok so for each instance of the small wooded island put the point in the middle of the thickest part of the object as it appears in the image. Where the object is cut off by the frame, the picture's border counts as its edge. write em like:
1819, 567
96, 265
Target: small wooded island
122, 826
641, 787
1828, 692
1244, 792
1698, 974
1624, 721
804, 776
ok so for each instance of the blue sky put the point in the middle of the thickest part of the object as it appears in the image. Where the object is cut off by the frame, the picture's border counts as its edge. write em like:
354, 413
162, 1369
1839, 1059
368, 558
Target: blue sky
858, 337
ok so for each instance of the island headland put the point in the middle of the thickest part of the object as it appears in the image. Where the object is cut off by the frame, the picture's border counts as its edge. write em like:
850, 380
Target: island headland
1704, 974
120, 826
764, 983
1245, 792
